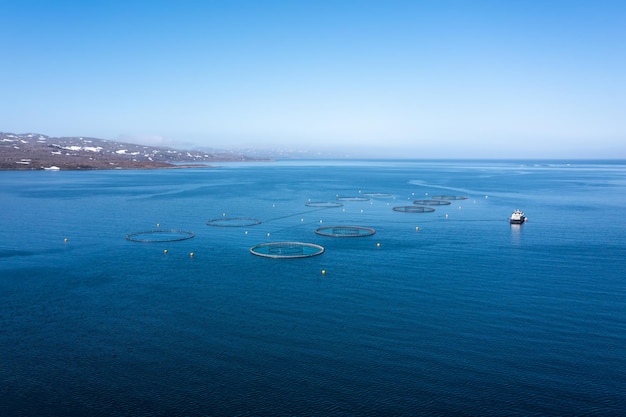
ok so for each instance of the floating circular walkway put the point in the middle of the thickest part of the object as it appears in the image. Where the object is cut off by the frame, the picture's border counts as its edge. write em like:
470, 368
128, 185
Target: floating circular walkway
432, 202
377, 195
352, 198
449, 197
154, 236
233, 222
286, 250
413, 209
323, 204
345, 231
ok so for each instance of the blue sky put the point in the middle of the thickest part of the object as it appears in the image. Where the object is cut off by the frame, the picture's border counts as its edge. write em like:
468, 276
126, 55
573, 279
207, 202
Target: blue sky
435, 78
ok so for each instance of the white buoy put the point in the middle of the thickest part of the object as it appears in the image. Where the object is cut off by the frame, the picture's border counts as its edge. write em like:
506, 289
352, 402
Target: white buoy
323, 272
65, 240
378, 245
164, 251
417, 228
191, 254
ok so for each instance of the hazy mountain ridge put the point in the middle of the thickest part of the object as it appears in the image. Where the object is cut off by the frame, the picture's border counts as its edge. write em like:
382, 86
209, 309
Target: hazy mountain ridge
33, 151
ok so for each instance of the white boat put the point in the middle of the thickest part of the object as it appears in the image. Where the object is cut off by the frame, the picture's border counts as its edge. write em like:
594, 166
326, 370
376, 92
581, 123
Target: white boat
517, 217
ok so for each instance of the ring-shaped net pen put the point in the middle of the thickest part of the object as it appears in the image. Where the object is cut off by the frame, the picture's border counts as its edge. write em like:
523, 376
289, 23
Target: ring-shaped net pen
153, 236
413, 209
323, 204
352, 198
449, 197
286, 250
233, 222
377, 195
432, 202
345, 231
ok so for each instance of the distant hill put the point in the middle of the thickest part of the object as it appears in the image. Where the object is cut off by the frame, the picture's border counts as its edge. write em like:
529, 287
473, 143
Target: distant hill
34, 151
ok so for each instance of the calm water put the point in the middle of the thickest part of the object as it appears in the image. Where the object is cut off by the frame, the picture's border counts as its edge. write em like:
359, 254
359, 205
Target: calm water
465, 315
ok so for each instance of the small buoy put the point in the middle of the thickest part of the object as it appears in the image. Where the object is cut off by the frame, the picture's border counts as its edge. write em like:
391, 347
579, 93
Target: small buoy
320, 221
323, 272
486, 196
65, 240
446, 216
246, 232
164, 250
273, 205
223, 214
378, 245
361, 210
268, 234
417, 228
158, 224
191, 254
301, 220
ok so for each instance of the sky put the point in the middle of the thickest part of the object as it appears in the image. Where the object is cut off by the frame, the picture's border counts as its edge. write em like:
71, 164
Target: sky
389, 78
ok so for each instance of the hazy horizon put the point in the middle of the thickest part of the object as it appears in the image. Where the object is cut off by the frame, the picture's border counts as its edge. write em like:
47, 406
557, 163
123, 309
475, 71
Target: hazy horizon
398, 79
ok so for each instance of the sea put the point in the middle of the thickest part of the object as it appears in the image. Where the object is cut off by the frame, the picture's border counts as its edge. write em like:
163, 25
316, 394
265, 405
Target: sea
136, 293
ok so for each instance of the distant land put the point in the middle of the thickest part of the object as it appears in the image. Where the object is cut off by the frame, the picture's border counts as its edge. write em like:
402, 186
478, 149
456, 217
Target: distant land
34, 151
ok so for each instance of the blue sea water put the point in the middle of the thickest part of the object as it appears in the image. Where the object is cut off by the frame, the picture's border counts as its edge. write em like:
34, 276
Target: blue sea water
453, 312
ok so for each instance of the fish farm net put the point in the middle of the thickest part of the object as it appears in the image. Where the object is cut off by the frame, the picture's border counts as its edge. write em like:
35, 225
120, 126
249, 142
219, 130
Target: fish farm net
286, 250
352, 198
449, 197
233, 222
414, 209
154, 236
377, 195
345, 231
323, 204
432, 202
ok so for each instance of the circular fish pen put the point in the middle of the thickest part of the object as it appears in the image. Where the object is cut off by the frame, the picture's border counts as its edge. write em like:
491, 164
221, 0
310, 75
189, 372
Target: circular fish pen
449, 197
377, 195
345, 231
432, 202
233, 222
155, 236
413, 209
352, 198
286, 250
323, 204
